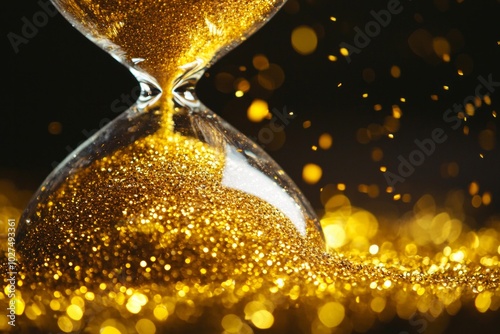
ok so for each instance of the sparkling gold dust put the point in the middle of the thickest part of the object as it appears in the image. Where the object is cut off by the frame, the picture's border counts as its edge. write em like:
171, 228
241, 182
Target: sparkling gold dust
168, 253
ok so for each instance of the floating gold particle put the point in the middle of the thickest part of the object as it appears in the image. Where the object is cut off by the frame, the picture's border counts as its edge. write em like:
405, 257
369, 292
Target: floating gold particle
325, 141
260, 62
395, 71
311, 173
258, 110
304, 40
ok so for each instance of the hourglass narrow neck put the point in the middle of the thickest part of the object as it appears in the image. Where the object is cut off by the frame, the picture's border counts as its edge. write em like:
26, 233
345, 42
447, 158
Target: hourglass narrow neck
183, 89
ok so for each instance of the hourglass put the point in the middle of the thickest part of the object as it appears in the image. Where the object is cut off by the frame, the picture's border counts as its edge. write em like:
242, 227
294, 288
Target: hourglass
168, 191
167, 162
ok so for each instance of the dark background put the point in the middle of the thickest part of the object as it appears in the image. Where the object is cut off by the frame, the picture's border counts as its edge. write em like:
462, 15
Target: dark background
60, 76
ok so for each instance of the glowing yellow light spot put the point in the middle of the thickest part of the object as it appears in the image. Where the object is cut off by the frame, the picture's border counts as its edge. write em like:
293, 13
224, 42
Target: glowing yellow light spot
332, 58
331, 314
387, 284
314, 148
457, 256
133, 307
258, 110
483, 301
89, 296
304, 40
311, 173
473, 188
262, 319
469, 109
74, 312
487, 100
344, 52
252, 307
109, 330
260, 62
373, 249
341, 186
136, 302
486, 198
446, 87
383, 169
242, 85
160, 312
377, 107
411, 249
325, 141
335, 236
77, 300
145, 326
365, 95
395, 71
239, 93
402, 99
340, 84
55, 305
65, 324
334, 19
434, 97
378, 304
396, 112
460, 72
143, 263
390, 135
231, 323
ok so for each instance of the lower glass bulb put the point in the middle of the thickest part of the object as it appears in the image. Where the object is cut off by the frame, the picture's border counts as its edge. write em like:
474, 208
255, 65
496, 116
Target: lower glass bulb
153, 201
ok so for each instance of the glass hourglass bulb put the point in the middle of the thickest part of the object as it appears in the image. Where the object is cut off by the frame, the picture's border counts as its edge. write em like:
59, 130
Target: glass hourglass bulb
168, 191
